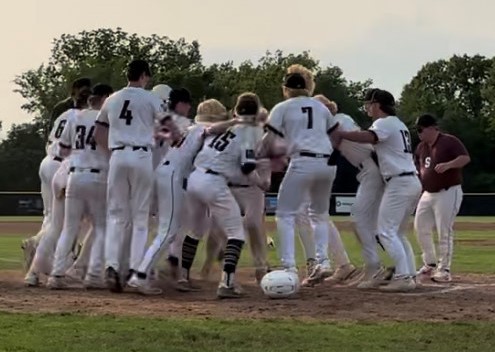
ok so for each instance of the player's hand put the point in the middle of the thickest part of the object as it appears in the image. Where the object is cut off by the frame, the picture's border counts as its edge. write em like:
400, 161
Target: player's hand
278, 164
263, 163
442, 167
336, 138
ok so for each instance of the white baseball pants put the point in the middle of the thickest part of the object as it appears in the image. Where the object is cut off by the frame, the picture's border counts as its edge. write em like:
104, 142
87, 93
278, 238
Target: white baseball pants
438, 210
364, 211
170, 187
399, 200
305, 177
130, 180
85, 191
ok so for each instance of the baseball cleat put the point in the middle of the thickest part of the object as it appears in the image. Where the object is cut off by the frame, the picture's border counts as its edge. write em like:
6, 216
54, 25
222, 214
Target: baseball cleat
31, 279
143, 286
225, 291
94, 283
441, 276
56, 283
112, 279
404, 284
75, 274
426, 271
342, 273
184, 285
380, 277
319, 274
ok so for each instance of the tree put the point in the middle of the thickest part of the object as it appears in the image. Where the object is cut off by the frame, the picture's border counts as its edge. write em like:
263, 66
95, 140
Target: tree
20, 155
457, 91
101, 55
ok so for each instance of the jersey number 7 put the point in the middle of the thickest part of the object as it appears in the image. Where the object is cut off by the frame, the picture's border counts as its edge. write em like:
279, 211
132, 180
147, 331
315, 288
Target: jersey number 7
125, 113
308, 110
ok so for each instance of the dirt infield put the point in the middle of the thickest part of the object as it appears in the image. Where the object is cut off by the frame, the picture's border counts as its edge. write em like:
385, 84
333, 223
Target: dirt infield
470, 297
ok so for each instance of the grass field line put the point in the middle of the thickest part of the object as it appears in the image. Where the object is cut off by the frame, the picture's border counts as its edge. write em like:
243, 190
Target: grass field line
8, 260
457, 287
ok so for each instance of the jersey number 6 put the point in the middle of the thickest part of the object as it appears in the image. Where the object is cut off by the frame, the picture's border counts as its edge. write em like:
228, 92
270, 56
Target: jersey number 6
221, 141
125, 113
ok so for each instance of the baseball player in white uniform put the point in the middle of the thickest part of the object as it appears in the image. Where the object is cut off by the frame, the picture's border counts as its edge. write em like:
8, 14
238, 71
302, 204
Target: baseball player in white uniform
128, 117
364, 211
250, 197
86, 189
402, 189
305, 123
171, 179
222, 159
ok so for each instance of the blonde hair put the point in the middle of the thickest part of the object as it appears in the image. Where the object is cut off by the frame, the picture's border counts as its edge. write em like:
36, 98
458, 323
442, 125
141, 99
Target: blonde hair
211, 110
309, 81
331, 105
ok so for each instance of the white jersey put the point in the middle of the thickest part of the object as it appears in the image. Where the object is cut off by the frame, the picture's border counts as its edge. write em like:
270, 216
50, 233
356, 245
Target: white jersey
304, 123
56, 132
238, 177
222, 154
393, 149
131, 114
78, 136
181, 155
355, 153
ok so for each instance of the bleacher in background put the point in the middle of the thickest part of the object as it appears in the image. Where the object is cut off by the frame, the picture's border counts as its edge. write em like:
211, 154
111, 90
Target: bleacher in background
30, 203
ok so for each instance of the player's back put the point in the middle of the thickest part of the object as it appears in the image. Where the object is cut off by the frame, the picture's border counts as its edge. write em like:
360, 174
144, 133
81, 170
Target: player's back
221, 153
354, 152
57, 130
304, 124
85, 154
131, 116
394, 147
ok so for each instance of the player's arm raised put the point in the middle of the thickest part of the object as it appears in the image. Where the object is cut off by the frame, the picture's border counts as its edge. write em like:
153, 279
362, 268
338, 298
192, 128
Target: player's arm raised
377, 132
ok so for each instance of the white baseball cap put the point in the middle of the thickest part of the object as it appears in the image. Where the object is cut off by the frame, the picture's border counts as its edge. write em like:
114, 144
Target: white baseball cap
162, 91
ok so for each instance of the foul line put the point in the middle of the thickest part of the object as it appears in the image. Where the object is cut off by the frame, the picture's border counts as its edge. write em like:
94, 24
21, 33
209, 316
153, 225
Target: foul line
459, 287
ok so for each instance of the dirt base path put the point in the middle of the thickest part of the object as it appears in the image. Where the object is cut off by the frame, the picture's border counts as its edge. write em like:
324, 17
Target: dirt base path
468, 298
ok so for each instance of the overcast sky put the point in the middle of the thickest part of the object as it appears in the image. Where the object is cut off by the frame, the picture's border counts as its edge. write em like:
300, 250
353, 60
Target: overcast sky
385, 40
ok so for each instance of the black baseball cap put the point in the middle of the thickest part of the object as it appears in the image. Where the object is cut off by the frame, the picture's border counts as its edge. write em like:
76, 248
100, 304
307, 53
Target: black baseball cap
81, 83
294, 81
247, 104
179, 95
426, 120
101, 90
380, 96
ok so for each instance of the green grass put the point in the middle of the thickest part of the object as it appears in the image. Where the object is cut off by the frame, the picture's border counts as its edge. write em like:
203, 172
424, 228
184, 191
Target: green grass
75, 333
71, 332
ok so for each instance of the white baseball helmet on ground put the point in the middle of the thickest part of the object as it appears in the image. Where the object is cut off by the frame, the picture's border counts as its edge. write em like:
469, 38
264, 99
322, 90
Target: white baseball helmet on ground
162, 91
280, 284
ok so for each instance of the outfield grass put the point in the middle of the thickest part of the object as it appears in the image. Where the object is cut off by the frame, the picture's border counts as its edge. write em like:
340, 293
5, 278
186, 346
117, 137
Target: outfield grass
71, 332
84, 333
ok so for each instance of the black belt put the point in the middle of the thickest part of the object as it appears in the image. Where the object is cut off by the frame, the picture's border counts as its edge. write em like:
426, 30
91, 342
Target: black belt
233, 185
412, 173
211, 172
314, 155
59, 159
166, 162
94, 171
134, 148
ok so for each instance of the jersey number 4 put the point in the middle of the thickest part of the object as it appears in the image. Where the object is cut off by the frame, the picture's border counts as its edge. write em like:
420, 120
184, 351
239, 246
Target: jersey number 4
82, 140
221, 141
125, 113
406, 139
309, 111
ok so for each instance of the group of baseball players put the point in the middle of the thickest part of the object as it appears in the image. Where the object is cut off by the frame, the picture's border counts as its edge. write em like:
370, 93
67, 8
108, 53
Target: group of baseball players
126, 164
